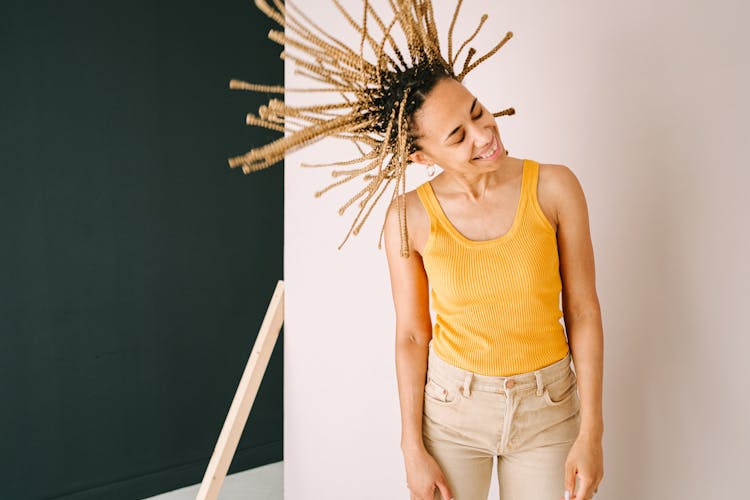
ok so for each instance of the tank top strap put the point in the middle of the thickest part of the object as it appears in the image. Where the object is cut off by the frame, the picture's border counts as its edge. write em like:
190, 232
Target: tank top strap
532, 198
530, 179
430, 203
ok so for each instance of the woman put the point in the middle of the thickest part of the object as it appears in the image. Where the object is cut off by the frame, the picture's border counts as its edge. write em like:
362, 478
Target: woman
492, 377
490, 237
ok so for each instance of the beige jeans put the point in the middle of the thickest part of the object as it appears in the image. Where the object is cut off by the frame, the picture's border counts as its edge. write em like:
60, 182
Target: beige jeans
529, 421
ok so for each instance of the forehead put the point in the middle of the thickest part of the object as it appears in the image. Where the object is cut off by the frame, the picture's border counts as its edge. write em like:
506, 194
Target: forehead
446, 106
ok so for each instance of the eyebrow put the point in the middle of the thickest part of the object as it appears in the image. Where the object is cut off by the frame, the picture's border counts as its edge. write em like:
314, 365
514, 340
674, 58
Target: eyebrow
471, 111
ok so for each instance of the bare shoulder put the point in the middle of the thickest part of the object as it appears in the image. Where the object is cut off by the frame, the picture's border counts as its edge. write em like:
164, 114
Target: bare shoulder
558, 187
417, 220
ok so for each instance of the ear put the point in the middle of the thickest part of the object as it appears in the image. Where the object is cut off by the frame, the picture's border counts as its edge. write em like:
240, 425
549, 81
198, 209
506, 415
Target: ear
420, 157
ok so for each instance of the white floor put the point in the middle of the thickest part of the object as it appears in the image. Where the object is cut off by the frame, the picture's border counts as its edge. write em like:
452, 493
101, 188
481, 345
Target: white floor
260, 483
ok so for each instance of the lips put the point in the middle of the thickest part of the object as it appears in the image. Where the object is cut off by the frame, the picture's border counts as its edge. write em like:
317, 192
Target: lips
491, 147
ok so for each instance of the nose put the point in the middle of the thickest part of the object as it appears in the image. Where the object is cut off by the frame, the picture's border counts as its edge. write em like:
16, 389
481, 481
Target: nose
484, 139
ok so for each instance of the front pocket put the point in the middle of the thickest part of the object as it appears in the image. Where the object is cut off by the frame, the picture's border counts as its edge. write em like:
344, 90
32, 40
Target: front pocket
560, 391
439, 393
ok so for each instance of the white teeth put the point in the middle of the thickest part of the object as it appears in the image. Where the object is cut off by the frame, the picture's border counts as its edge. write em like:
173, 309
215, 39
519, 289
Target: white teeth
488, 154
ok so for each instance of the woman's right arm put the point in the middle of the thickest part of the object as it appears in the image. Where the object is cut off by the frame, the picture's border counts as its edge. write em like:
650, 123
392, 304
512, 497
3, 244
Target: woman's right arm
413, 333
409, 287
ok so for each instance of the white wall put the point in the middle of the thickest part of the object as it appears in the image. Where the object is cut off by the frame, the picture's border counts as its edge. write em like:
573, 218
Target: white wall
647, 102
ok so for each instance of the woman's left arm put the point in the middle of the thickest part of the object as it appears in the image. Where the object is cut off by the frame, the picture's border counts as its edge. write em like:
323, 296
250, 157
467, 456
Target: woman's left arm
583, 324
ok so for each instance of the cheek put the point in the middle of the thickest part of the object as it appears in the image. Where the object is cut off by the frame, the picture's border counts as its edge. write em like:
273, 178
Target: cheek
460, 155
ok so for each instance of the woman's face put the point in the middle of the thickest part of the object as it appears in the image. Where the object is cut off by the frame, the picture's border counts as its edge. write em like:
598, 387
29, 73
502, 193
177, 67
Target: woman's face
454, 129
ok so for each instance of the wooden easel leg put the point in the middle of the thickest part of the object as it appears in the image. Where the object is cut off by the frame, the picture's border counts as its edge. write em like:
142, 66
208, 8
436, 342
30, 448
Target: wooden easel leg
244, 397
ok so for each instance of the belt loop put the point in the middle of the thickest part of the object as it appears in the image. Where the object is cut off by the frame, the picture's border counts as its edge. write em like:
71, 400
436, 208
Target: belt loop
467, 384
539, 383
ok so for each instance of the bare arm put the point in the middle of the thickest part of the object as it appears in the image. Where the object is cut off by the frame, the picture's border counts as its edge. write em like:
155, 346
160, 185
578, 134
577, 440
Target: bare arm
413, 329
581, 309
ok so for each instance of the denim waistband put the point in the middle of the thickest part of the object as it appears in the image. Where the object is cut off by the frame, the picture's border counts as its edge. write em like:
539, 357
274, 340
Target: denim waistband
442, 370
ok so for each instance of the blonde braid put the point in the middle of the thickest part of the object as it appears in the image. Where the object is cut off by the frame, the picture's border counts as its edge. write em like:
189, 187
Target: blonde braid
378, 97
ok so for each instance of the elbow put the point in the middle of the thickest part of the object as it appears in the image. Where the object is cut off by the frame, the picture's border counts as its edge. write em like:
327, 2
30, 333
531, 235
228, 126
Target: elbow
414, 338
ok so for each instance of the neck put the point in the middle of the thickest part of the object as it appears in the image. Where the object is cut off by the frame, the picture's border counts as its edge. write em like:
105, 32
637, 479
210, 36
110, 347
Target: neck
475, 185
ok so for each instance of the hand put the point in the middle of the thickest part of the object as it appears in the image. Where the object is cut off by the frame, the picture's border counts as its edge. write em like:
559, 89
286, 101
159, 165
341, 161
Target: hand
585, 458
423, 474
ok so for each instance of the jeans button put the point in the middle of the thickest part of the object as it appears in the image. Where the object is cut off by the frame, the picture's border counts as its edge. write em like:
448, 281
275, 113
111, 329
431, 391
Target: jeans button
510, 383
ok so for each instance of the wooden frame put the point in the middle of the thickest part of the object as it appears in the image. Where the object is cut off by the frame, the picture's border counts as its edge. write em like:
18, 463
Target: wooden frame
244, 397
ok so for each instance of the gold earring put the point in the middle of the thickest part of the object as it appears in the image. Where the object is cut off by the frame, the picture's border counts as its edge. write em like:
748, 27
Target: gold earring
431, 169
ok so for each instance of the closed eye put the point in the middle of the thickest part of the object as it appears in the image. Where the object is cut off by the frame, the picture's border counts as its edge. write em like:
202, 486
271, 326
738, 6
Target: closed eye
464, 135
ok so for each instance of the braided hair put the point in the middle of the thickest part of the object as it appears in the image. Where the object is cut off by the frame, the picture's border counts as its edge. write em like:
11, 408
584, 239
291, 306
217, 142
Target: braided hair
379, 97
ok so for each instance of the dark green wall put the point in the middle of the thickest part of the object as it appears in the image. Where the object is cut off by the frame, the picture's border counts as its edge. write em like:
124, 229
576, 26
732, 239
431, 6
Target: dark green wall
135, 265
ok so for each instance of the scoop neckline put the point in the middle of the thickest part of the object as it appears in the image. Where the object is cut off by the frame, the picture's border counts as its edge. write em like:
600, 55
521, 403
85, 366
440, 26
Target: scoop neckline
480, 243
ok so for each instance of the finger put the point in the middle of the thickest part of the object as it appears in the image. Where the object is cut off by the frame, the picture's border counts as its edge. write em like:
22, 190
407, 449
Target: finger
570, 481
585, 487
445, 491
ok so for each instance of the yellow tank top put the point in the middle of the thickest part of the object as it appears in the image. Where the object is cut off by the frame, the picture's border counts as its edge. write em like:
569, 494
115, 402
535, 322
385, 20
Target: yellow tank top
496, 301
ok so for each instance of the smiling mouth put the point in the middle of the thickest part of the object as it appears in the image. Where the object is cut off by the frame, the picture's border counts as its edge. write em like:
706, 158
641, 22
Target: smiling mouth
490, 152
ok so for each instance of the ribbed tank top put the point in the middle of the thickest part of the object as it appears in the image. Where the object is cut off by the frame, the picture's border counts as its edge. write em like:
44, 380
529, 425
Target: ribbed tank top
496, 302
